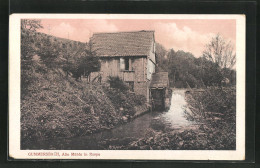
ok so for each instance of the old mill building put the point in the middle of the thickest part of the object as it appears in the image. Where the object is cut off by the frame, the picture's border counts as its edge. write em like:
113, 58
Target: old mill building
131, 56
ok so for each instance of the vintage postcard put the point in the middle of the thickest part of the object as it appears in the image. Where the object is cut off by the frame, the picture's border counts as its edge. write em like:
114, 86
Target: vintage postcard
127, 86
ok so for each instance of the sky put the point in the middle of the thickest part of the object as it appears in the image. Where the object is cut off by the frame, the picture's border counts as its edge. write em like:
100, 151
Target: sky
189, 35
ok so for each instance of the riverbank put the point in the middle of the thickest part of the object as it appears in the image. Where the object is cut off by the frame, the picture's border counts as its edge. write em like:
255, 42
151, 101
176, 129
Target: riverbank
213, 111
55, 106
190, 124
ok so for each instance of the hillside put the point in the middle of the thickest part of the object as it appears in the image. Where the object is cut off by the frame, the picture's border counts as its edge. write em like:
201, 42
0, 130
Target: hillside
38, 41
54, 104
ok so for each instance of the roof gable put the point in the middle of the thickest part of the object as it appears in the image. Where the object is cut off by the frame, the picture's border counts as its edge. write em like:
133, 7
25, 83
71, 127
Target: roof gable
123, 43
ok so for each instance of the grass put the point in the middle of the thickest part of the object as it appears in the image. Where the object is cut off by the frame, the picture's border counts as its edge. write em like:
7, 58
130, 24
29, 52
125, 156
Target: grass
214, 110
56, 106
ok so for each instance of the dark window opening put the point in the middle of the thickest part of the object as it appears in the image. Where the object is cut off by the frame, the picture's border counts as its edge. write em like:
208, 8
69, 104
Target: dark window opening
127, 64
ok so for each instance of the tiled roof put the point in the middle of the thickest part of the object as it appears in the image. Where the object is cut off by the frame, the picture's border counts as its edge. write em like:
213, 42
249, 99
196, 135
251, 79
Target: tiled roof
138, 43
159, 79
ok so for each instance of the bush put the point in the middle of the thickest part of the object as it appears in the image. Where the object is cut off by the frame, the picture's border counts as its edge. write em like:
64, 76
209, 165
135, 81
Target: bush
215, 100
121, 101
137, 99
117, 83
216, 108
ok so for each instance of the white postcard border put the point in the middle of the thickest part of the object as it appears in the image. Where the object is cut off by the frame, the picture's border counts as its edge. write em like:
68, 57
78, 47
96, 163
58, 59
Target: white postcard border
14, 98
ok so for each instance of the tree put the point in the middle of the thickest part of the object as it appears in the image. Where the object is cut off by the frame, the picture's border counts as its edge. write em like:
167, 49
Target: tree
160, 56
27, 51
219, 51
48, 52
31, 24
28, 28
71, 51
91, 62
117, 83
84, 66
86, 63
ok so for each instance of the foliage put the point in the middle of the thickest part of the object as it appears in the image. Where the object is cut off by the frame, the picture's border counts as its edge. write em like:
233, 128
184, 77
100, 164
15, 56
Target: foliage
31, 24
66, 50
187, 71
27, 50
216, 108
59, 107
83, 65
209, 72
54, 52
160, 54
230, 75
89, 64
122, 102
117, 83
138, 99
214, 102
122, 98
48, 53
219, 51
28, 28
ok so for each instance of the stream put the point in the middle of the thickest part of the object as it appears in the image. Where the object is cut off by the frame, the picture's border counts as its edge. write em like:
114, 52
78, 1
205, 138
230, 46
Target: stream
171, 120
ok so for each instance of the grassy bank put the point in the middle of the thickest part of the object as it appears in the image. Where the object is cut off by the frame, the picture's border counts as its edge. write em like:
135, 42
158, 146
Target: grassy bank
56, 106
214, 111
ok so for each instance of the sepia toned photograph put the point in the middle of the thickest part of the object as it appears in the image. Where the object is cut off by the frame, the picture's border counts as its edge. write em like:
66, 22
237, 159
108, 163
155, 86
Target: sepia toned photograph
101, 87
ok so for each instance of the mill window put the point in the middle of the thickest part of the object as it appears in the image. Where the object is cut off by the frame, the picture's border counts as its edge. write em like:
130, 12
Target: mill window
125, 64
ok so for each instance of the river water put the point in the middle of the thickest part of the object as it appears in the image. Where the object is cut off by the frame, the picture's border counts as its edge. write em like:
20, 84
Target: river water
171, 120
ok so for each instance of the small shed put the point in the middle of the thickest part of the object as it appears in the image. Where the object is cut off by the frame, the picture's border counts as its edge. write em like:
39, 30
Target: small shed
159, 90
